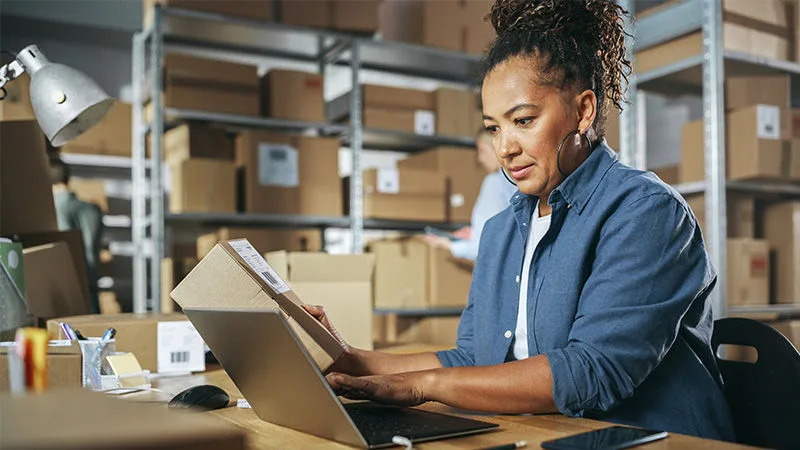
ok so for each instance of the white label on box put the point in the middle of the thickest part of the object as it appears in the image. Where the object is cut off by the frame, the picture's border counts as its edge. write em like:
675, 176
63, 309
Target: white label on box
180, 348
457, 200
257, 262
769, 122
388, 181
424, 122
277, 165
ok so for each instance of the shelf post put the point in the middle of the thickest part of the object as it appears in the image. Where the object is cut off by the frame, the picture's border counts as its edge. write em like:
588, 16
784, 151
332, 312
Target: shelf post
156, 171
138, 176
630, 152
356, 135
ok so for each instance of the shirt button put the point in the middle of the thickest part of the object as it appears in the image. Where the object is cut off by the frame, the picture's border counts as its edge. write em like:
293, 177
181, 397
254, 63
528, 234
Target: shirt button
569, 205
524, 224
507, 334
517, 279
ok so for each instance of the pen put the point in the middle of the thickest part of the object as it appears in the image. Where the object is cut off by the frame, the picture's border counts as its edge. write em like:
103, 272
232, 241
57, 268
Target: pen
511, 446
69, 332
80, 335
109, 334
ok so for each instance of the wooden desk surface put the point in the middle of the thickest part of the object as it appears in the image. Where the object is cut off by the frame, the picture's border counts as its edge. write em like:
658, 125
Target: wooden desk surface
534, 429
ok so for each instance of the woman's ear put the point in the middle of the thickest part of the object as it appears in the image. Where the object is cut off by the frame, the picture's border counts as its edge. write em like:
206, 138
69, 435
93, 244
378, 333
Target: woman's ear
587, 110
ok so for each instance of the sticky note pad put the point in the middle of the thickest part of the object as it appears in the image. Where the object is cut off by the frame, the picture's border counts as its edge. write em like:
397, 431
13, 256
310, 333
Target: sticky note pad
127, 364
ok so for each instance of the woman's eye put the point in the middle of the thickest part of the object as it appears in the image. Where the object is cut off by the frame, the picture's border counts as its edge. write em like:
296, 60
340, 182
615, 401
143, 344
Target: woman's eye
491, 129
524, 121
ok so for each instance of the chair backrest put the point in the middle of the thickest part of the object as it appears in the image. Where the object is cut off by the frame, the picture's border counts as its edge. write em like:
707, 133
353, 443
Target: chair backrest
764, 396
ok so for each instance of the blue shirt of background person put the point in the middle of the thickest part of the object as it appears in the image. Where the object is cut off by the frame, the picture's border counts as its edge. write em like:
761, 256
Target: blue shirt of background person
618, 317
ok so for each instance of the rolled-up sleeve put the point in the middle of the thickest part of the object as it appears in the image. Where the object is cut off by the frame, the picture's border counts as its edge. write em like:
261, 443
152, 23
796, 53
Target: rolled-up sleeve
464, 353
650, 265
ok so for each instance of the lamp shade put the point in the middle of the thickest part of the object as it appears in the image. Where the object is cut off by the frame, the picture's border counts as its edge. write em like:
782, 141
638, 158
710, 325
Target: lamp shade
66, 102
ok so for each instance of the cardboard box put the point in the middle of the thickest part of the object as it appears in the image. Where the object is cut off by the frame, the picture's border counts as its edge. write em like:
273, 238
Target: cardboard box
203, 185
402, 194
417, 122
111, 136
668, 174
64, 366
108, 302
306, 13
782, 231
224, 280
479, 33
197, 141
264, 240
740, 211
612, 134
454, 110
390, 108
153, 338
357, 16
342, 284
790, 329
464, 178
392, 329
99, 421
248, 9
420, 22
289, 94
54, 289
411, 274
741, 92
173, 271
285, 174
392, 97
748, 272
17, 104
90, 190
26, 194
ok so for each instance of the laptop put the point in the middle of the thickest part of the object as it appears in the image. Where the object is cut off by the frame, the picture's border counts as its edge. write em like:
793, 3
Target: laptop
278, 377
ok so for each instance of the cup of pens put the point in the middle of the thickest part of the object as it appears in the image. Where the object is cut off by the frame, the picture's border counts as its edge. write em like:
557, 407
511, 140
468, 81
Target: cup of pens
94, 352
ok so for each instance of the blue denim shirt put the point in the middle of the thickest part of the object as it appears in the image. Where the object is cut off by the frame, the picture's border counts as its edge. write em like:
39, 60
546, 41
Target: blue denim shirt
617, 301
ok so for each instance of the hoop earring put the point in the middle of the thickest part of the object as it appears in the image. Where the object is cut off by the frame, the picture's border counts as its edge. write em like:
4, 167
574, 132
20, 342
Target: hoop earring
505, 175
579, 155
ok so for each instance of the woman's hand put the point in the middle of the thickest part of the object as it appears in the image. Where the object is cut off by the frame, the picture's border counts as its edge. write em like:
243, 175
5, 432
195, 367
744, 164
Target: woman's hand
463, 233
404, 389
437, 241
319, 313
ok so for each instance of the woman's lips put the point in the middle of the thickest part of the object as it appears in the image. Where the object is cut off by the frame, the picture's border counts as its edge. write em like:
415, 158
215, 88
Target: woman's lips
520, 172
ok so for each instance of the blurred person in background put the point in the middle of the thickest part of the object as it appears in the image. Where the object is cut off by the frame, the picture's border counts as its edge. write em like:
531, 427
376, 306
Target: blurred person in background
74, 214
496, 191
594, 299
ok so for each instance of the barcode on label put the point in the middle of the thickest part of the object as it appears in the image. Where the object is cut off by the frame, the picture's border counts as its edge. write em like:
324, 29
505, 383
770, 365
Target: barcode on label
270, 279
259, 265
179, 357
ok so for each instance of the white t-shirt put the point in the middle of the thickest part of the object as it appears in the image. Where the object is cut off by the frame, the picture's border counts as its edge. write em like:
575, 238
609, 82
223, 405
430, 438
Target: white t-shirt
538, 228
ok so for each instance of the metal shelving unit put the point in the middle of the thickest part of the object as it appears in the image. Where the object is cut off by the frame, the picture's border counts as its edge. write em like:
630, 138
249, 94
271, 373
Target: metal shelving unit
703, 75
178, 30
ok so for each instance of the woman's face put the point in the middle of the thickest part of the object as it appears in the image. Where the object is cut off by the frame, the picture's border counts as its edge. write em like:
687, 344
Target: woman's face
528, 120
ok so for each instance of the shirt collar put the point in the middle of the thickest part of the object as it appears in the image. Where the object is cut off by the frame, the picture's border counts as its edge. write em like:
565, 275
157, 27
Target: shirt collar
577, 189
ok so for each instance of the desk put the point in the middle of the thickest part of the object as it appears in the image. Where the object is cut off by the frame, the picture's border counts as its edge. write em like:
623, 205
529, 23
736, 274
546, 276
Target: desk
534, 429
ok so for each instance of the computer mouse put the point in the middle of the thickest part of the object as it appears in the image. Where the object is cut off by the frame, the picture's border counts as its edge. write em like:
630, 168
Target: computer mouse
204, 397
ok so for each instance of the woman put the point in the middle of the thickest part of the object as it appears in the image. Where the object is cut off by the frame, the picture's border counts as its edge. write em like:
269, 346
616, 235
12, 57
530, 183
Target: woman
590, 293
493, 197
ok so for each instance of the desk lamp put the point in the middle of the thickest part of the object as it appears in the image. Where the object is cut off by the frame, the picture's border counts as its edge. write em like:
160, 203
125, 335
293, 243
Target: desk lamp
66, 103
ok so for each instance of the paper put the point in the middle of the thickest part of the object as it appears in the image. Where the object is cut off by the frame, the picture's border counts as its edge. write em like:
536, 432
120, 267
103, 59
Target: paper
278, 165
127, 364
424, 122
388, 181
769, 122
180, 348
257, 262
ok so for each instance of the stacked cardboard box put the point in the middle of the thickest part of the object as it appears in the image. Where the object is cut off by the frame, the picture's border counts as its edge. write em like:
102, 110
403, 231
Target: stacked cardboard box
391, 329
264, 240
288, 94
759, 28
283, 174
402, 194
741, 214
411, 274
194, 140
390, 108
462, 172
111, 136
455, 112
248, 9
748, 272
358, 16
781, 227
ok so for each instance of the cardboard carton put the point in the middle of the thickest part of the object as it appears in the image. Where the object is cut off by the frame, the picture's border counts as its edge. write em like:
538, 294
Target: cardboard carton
421, 22
153, 338
782, 230
741, 92
234, 275
668, 174
197, 141
173, 271
383, 98
248, 9
264, 240
17, 104
306, 13
612, 127
411, 274
111, 136
342, 284
454, 110
411, 121
54, 289
478, 33
293, 95
98, 421
357, 16
391, 329
203, 185
285, 174
740, 211
402, 194
26, 194
64, 365
748, 272
463, 173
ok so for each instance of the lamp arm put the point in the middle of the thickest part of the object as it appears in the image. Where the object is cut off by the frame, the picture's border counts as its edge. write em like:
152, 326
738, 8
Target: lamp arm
9, 72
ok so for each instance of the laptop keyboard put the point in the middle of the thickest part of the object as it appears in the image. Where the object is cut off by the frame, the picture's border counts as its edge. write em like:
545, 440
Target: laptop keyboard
379, 423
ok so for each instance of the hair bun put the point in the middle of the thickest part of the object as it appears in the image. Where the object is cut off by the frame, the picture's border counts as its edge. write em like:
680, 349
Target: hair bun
566, 17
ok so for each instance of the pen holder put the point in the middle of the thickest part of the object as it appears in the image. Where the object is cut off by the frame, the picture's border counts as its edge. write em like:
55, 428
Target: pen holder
94, 352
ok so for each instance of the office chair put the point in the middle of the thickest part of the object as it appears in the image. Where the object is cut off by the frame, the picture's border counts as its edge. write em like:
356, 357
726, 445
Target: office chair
764, 396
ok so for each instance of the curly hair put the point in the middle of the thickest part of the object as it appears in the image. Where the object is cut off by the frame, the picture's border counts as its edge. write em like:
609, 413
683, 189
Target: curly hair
578, 44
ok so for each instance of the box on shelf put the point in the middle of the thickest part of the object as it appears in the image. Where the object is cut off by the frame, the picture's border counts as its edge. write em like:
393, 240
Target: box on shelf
757, 28
402, 194
153, 338
54, 289
232, 276
741, 92
306, 13
421, 22
668, 174
264, 240
64, 366
463, 173
417, 121
611, 127
285, 174
411, 274
111, 136
740, 210
478, 33
342, 284
248, 9
748, 273
356, 16
454, 111
203, 185
293, 95
380, 101
90, 190
17, 104
193, 140
26, 194
781, 229
392, 329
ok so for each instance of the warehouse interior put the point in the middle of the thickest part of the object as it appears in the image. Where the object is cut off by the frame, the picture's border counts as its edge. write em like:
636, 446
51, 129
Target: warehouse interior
342, 140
